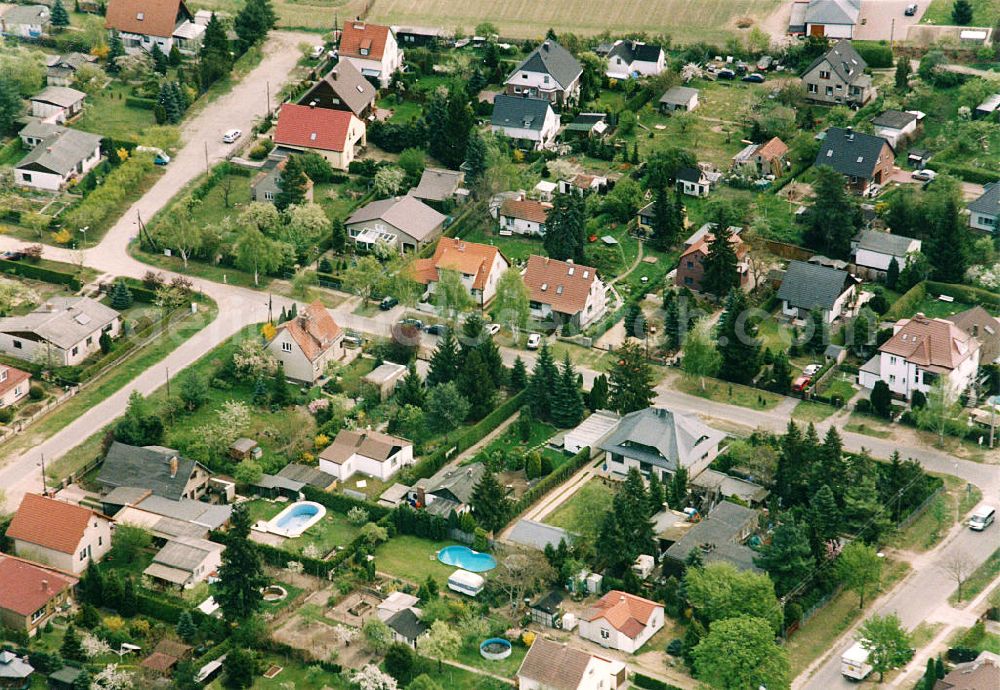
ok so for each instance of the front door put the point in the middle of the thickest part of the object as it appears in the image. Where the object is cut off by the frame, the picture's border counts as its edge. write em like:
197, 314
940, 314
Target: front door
817, 30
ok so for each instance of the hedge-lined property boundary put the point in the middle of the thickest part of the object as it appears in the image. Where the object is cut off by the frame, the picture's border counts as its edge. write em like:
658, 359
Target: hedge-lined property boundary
46, 275
551, 481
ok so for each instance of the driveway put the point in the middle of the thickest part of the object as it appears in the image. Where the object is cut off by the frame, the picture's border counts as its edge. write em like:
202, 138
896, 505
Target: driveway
883, 20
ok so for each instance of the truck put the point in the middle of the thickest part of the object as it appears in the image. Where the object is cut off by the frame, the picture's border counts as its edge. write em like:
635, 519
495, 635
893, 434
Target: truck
854, 662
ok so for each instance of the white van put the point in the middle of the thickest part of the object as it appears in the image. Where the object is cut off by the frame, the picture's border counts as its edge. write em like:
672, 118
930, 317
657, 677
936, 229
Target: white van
854, 662
982, 518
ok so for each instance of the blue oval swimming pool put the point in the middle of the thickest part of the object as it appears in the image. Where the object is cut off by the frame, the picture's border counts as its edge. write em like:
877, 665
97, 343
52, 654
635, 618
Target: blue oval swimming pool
465, 558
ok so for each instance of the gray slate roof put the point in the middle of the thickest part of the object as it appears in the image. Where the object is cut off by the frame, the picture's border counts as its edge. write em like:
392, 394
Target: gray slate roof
894, 119
406, 624
410, 215
678, 95
538, 535
62, 321
630, 51
884, 243
36, 129
989, 201
14, 667
27, 14
457, 482
847, 64
552, 59
833, 11
689, 175
850, 152
437, 184
185, 553
212, 516
62, 152
719, 529
306, 474
349, 84
145, 468
519, 112
662, 437
807, 286
63, 96
273, 481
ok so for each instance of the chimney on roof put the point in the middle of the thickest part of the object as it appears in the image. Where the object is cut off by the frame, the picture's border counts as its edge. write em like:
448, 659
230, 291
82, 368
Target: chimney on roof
45, 585
174, 465
545, 46
312, 104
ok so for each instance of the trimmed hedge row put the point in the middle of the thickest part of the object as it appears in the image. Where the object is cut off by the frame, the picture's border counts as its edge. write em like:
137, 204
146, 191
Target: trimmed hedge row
149, 604
641, 681
965, 293
47, 275
140, 103
339, 503
907, 303
554, 479
968, 173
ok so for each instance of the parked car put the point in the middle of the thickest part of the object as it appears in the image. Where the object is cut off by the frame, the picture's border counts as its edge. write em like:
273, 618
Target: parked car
811, 370
910, 10
352, 341
435, 329
925, 175
412, 322
493, 328
161, 159
726, 74
755, 78
534, 340
316, 52
982, 518
387, 303
801, 383
231, 136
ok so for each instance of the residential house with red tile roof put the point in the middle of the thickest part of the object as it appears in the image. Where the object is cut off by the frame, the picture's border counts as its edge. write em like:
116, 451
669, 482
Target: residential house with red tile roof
307, 343
564, 292
761, 159
622, 621
14, 385
551, 665
367, 452
333, 134
60, 534
479, 267
921, 352
145, 23
31, 593
523, 216
690, 265
373, 49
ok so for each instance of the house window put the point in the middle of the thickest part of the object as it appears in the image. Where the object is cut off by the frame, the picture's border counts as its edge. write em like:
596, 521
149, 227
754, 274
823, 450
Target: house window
892, 378
268, 196
813, 88
90, 340
17, 392
26, 177
892, 360
3, 376
100, 541
286, 347
824, 74
829, 91
74, 351
17, 345
690, 264
37, 614
605, 634
364, 51
83, 555
688, 280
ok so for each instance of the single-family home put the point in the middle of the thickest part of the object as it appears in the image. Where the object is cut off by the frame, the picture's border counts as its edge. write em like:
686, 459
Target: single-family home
987, 107
160, 471
586, 125
405, 222
590, 432
63, 331
15, 671
691, 266
449, 489
479, 267
530, 122
384, 378
30, 593
14, 385
551, 665
832, 18
142, 24
564, 292
60, 534
807, 286
35, 132
583, 184
978, 323
980, 674
61, 70
629, 59
373, 49
439, 187
864, 159
720, 535
694, 181
406, 627
333, 134
984, 211
896, 126
58, 159
683, 98
343, 88
57, 104
758, 160
26, 21
549, 72
874, 251
307, 343
838, 77
266, 185
921, 352
367, 452
622, 621
185, 561
659, 441
523, 216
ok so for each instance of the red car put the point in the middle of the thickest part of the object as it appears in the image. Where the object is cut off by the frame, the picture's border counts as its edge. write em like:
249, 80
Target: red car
800, 383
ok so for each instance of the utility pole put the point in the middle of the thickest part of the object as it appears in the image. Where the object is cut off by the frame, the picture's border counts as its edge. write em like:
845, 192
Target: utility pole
267, 110
45, 491
206, 156
892, 32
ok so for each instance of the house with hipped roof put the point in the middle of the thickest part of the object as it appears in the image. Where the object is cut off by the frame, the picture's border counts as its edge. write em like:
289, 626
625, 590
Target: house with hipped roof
621, 621
690, 265
440, 187
550, 72
564, 292
30, 593
334, 134
367, 452
373, 49
60, 534
449, 489
719, 536
921, 352
761, 159
838, 77
25, 21
984, 211
551, 665
479, 267
58, 156
63, 332
145, 23
404, 222
307, 343
982, 326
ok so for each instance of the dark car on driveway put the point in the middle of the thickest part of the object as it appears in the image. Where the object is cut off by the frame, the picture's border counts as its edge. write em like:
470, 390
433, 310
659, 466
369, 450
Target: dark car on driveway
726, 74
755, 78
435, 329
388, 303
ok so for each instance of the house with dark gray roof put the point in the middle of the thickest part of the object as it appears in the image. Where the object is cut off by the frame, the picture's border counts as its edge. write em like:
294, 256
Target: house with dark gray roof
449, 489
530, 122
63, 331
719, 536
660, 441
404, 222
185, 561
866, 160
832, 18
808, 286
984, 211
406, 627
838, 77
634, 59
549, 72
438, 186
161, 471
58, 159
60, 70
312, 476
874, 251
343, 88
896, 126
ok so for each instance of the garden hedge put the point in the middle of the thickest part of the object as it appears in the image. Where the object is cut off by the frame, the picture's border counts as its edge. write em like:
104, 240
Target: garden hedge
968, 173
907, 303
877, 56
46, 275
339, 503
551, 481
140, 103
647, 683
965, 293
167, 610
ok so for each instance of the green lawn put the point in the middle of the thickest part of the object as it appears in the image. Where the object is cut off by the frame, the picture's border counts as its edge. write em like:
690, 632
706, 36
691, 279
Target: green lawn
332, 531
980, 579
516, 248
414, 559
470, 656
984, 12
730, 393
510, 441
868, 425
933, 308
584, 512
106, 113
839, 387
812, 412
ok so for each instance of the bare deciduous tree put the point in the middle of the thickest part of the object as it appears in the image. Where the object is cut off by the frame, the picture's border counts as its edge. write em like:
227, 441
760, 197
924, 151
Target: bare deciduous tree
520, 571
959, 567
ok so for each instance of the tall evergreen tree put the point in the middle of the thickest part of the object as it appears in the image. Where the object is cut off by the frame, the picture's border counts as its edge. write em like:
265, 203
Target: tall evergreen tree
824, 516
411, 389
950, 248
781, 374
721, 273
254, 21
542, 384
214, 58
834, 218
657, 493
292, 184
476, 385
961, 12
475, 159
597, 397
518, 375
121, 296
241, 575
451, 146
444, 360
903, 73
491, 503
830, 468
71, 648
59, 16
159, 59
892, 274
738, 342
673, 329
789, 478
634, 322
665, 230
677, 489
787, 558
565, 228
567, 403
863, 513
116, 49
631, 381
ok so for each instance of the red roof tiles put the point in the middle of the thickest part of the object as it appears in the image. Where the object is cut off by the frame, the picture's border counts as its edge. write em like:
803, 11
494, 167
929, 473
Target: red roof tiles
314, 330
625, 612
152, 17
363, 40
26, 587
563, 285
313, 128
49, 523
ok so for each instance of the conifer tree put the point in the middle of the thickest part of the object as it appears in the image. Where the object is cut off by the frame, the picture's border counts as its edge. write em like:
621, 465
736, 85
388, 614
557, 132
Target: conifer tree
292, 184
657, 495
565, 228
542, 384
59, 16
567, 404
720, 264
121, 296
444, 360
116, 49
677, 489
665, 229
490, 503
737, 338
476, 385
186, 629
631, 381
518, 375
254, 21
214, 59
597, 398
824, 516
159, 59
411, 389
787, 558
71, 648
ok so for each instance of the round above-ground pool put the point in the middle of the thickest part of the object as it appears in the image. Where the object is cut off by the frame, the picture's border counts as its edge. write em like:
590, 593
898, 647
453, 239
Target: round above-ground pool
495, 649
465, 558
296, 519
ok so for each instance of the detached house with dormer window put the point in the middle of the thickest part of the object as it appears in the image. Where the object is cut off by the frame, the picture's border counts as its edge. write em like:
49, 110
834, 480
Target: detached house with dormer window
550, 72
530, 122
60, 534
838, 77
564, 292
145, 23
479, 267
373, 49
865, 160
634, 59
307, 343
334, 134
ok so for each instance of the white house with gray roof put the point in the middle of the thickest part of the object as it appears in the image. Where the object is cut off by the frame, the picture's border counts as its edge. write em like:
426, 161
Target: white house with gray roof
808, 286
832, 18
658, 440
874, 251
57, 159
984, 212
629, 59
62, 332
404, 222
549, 72
896, 126
57, 104
531, 122
838, 76
26, 21
185, 561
